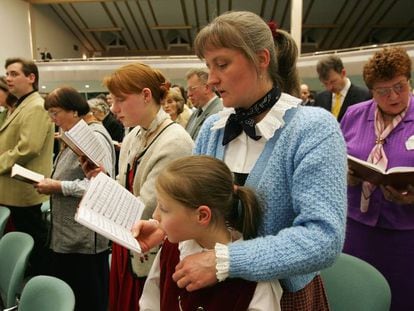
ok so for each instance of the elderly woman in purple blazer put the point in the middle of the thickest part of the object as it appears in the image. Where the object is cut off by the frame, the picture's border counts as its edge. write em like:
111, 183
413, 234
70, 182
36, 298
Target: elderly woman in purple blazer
380, 226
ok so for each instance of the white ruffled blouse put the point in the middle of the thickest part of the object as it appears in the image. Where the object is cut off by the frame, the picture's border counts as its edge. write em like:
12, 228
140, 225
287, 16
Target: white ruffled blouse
242, 153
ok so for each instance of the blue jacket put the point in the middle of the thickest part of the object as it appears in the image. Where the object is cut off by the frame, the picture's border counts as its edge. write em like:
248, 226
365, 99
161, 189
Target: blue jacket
301, 177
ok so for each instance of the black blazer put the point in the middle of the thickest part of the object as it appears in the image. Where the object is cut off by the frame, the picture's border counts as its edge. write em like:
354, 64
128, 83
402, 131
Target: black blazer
355, 95
114, 127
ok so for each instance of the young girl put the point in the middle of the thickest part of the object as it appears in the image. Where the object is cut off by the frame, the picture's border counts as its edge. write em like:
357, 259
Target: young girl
199, 206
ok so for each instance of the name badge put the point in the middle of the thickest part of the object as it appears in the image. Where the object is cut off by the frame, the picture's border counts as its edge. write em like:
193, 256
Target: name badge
409, 144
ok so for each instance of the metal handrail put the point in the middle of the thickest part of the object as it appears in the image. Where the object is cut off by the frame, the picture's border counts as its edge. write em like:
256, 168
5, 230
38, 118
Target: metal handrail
193, 57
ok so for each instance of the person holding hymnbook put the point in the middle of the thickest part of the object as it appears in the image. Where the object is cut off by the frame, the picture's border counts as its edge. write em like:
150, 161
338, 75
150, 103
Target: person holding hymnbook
137, 91
292, 156
380, 226
79, 255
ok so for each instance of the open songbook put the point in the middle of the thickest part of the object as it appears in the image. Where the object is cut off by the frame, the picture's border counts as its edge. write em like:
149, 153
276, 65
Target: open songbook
397, 177
110, 210
81, 139
26, 175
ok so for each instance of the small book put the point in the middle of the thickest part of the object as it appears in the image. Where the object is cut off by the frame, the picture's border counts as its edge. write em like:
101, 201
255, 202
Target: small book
26, 175
397, 177
110, 210
81, 139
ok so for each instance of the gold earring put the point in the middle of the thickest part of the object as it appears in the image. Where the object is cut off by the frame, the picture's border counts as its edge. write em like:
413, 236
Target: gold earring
75, 114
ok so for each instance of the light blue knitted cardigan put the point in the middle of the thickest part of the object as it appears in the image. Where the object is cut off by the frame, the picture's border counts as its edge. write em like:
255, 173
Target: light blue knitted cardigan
301, 177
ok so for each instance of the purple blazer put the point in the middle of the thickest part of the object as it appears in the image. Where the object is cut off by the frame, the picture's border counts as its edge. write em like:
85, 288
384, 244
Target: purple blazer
358, 129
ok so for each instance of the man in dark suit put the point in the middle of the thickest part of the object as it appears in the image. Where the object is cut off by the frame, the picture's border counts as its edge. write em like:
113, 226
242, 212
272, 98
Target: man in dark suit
203, 98
340, 93
306, 95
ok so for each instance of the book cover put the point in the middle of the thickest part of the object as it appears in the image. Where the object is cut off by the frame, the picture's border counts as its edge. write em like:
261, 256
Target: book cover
110, 210
26, 175
397, 177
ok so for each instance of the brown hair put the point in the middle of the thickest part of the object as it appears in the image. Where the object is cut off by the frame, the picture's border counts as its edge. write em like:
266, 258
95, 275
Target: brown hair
68, 99
287, 55
133, 78
28, 67
386, 64
248, 33
202, 180
10, 99
328, 63
182, 91
176, 96
243, 31
3, 84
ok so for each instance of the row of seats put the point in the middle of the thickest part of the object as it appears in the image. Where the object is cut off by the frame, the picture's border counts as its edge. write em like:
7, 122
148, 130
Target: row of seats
350, 283
354, 284
40, 292
4, 216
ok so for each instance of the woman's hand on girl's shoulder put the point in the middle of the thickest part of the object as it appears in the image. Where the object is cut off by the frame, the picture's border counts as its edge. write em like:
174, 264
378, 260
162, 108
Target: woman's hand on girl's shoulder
196, 271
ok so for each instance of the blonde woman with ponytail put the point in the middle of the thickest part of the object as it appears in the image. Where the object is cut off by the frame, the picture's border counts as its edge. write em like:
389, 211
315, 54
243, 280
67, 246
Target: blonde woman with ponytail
294, 157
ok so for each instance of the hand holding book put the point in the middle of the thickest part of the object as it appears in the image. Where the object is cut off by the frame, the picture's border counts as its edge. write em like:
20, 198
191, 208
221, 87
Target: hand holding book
81, 139
148, 233
352, 179
397, 177
48, 186
89, 168
26, 175
398, 197
110, 210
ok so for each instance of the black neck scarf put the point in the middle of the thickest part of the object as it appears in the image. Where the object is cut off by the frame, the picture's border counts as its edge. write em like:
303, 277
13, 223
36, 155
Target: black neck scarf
243, 119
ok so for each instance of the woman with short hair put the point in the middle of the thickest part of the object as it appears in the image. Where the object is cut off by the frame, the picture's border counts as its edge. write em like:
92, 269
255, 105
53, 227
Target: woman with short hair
380, 225
79, 255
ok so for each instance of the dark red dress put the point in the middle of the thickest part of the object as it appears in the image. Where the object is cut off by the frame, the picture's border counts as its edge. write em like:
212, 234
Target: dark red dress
125, 289
231, 294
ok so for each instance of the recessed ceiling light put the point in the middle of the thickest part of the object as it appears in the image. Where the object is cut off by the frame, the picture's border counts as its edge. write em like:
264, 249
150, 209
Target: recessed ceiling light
87, 86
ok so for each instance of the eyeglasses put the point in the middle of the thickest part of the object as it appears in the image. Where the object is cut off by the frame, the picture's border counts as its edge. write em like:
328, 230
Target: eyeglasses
397, 88
54, 113
193, 88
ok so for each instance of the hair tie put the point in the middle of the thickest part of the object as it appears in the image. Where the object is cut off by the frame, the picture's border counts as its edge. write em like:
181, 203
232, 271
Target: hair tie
273, 28
166, 85
237, 203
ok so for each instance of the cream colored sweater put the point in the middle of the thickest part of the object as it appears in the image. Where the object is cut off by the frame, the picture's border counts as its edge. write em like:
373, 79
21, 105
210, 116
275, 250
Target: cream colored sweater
172, 144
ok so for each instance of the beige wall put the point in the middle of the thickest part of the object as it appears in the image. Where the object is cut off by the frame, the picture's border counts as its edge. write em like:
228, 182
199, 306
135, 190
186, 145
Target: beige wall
15, 30
27, 31
51, 34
